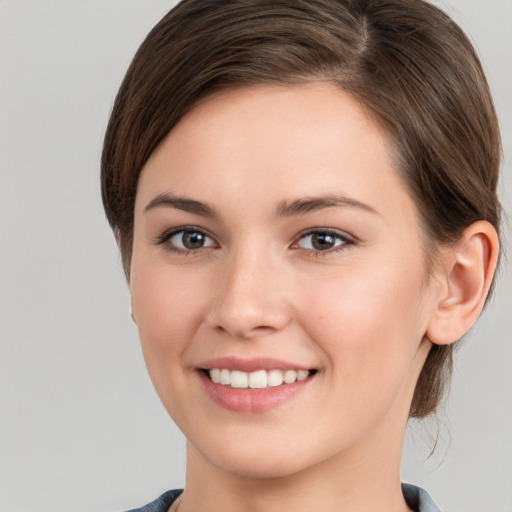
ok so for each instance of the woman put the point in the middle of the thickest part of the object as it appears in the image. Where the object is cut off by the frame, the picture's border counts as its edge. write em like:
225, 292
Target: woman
304, 195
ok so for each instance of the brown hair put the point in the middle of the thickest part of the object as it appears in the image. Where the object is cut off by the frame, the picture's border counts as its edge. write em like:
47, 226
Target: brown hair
405, 60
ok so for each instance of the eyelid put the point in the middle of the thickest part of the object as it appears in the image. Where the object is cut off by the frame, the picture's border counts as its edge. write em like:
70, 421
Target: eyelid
348, 240
330, 231
165, 237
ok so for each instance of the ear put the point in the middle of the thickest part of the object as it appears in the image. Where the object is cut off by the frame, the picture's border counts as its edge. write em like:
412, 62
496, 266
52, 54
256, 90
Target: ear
464, 276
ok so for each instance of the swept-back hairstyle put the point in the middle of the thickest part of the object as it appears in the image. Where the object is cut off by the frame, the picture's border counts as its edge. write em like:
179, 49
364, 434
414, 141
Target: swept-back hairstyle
404, 60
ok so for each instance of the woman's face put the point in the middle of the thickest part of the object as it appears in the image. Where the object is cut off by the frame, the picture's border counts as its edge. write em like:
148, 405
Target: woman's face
274, 240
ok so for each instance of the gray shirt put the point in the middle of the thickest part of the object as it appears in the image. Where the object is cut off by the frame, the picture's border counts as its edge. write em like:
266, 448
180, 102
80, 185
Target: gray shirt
417, 499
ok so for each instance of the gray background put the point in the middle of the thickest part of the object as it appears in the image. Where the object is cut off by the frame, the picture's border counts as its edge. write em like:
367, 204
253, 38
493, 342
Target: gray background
81, 427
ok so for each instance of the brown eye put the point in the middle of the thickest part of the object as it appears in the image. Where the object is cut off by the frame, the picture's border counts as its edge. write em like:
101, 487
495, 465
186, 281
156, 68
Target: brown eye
322, 241
190, 240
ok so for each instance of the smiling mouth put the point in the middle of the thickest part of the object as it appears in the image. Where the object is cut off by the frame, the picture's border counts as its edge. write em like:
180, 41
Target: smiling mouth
259, 379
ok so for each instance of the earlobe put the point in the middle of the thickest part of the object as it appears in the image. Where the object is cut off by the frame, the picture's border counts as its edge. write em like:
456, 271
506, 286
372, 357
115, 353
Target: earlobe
468, 271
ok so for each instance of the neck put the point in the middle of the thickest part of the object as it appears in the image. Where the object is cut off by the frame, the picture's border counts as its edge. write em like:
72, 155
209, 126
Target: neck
363, 479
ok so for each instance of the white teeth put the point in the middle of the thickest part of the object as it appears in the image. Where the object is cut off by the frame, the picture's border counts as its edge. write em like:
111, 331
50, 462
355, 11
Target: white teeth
215, 375
302, 374
275, 378
239, 379
225, 377
290, 376
258, 379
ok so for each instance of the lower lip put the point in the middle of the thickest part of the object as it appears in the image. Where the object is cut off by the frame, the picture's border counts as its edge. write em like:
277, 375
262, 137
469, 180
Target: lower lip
252, 400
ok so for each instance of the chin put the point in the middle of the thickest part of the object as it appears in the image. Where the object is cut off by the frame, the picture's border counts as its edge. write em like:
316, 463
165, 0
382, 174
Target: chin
258, 468
268, 459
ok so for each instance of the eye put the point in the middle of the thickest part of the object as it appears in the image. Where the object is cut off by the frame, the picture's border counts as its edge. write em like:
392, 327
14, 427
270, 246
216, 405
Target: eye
190, 240
323, 241
186, 240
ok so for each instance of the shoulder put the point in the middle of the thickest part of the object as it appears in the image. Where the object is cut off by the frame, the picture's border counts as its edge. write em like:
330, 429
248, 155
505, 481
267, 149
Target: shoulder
416, 497
419, 499
161, 504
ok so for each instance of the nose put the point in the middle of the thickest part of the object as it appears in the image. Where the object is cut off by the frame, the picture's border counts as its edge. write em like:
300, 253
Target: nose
251, 298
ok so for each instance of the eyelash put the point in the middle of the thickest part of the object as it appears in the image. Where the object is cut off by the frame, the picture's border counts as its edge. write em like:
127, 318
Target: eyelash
164, 239
347, 241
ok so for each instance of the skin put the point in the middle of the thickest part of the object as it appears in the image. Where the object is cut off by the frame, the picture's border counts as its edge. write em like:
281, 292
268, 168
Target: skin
357, 313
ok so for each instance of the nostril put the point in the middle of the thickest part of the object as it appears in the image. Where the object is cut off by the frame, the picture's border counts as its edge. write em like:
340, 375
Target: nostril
241, 332
248, 309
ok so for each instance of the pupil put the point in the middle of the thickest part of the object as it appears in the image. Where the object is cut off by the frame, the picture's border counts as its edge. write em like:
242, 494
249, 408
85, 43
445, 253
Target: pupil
322, 241
193, 240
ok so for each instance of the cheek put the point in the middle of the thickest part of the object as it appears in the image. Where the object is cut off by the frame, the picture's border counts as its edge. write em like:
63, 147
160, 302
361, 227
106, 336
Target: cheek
167, 309
369, 321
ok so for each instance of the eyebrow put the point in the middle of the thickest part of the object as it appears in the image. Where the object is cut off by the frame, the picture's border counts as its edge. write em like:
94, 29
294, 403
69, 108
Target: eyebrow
284, 208
181, 203
312, 204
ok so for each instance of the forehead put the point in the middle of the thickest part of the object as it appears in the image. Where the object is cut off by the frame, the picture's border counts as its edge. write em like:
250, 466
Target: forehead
270, 142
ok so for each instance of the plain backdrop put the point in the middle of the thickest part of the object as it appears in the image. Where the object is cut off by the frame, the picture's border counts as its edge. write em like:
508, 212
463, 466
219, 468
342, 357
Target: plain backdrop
81, 427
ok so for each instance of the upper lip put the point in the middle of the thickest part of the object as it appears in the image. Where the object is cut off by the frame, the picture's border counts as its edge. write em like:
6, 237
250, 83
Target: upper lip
250, 364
